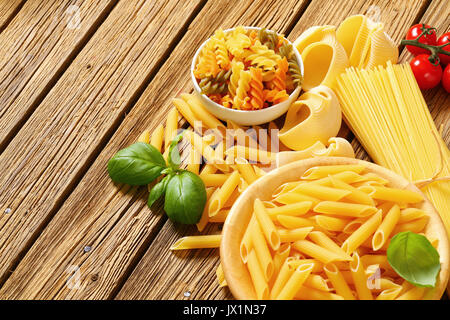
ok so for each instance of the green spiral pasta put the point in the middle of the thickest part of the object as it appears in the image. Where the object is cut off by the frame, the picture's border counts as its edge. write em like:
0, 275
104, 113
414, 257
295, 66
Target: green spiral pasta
286, 50
268, 38
217, 84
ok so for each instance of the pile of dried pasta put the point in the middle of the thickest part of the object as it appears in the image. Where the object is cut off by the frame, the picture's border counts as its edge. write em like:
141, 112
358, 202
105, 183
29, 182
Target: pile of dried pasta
326, 235
247, 69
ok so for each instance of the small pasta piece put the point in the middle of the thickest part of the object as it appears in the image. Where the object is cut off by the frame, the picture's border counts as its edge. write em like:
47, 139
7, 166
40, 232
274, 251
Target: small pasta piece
281, 278
410, 214
356, 196
246, 242
144, 137
389, 294
392, 194
363, 233
413, 226
295, 282
360, 278
315, 251
219, 217
386, 227
415, 293
197, 242
321, 192
205, 216
292, 235
247, 172
171, 127
293, 197
214, 179
270, 231
331, 223
338, 281
345, 209
279, 259
224, 193
262, 250
314, 294
294, 209
315, 173
157, 137
258, 277
322, 240
291, 222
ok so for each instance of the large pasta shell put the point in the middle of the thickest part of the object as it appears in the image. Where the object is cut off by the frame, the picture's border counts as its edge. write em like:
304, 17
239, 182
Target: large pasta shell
323, 61
316, 116
382, 49
311, 35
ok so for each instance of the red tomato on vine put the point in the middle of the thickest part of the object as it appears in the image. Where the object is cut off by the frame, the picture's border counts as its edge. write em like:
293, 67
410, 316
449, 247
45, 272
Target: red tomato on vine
445, 38
427, 74
428, 38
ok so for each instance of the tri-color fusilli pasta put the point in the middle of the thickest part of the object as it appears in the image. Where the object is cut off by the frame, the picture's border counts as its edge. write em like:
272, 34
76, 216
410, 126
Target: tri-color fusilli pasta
247, 69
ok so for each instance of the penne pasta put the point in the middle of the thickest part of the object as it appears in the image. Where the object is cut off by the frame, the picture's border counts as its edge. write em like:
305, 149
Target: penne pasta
270, 231
221, 276
345, 209
360, 235
214, 179
171, 127
258, 277
413, 226
294, 209
279, 259
321, 192
315, 251
262, 250
282, 277
322, 240
205, 216
201, 114
219, 217
315, 173
293, 197
359, 278
338, 281
295, 282
356, 196
246, 242
389, 294
291, 222
314, 294
224, 193
157, 137
317, 265
292, 235
391, 194
253, 155
197, 242
410, 214
331, 223
144, 137
386, 227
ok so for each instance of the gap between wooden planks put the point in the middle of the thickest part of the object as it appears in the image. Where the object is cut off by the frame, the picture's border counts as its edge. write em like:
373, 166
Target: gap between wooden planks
8, 10
162, 274
115, 223
55, 147
34, 54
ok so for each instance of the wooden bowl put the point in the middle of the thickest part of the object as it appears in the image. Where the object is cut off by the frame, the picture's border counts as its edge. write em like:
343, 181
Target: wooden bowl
236, 274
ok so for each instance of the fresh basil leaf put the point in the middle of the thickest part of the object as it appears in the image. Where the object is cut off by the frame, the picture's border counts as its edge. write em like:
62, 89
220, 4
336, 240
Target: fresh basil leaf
157, 191
138, 164
185, 198
174, 155
413, 257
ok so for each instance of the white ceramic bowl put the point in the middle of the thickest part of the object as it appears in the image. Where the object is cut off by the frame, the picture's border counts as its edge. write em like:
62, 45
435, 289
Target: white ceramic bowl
243, 117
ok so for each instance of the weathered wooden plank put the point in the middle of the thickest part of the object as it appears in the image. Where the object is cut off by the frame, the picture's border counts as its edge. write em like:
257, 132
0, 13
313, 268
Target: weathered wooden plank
117, 224
37, 46
162, 274
46, 159
8, 9
438, 100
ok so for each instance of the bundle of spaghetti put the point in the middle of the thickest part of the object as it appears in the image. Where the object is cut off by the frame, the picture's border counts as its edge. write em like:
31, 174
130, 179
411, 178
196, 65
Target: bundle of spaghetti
386, 110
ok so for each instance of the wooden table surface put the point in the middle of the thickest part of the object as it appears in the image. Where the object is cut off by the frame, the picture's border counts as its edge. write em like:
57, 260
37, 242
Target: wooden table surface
80, 80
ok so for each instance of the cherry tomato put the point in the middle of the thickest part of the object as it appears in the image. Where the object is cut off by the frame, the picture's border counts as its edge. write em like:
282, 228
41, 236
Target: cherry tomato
446, 78
445, 38
414, 32
426, 74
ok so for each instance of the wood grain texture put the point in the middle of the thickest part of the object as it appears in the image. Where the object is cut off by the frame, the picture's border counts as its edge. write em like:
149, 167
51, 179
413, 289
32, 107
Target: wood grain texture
8, 9
184, 271
35, 53
46, 159
117, 223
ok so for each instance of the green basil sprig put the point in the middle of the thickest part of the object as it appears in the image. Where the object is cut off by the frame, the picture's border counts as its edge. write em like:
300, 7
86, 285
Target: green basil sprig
184, 191
413, 257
